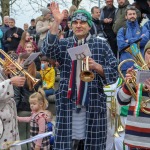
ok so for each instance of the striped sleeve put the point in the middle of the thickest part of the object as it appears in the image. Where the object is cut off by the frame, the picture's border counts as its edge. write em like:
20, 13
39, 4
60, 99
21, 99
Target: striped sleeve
123, 95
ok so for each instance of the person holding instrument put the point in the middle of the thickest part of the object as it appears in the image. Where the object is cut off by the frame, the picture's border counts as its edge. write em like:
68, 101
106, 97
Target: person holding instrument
137, 130
81, 117
8, 113
21, 98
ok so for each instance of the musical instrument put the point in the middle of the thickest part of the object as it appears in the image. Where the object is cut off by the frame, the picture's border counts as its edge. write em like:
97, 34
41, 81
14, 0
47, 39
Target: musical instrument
4, 64
19, 68
86, 75
139, 61
115, 120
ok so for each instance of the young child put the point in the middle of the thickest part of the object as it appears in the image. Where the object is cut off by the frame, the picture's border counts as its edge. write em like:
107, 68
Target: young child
38, 123
50, 126
48, 76
29, 48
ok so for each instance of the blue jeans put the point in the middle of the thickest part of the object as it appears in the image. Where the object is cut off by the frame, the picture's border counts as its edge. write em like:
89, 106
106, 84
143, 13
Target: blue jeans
49, 92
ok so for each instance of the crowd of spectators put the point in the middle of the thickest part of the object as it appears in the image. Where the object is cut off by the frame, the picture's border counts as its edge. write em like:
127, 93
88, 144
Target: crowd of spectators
120, 27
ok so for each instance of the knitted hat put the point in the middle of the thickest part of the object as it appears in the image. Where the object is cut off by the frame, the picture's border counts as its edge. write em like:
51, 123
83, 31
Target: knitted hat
45, 11
147, 46
82, 15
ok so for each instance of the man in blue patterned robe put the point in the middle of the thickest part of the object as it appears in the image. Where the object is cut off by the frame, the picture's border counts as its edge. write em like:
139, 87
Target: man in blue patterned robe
89, 124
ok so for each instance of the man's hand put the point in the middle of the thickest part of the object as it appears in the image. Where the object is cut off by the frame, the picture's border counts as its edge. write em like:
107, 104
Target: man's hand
9, 39
15, 35
18, 81
106, 20
58, 17
95, 66
129, 74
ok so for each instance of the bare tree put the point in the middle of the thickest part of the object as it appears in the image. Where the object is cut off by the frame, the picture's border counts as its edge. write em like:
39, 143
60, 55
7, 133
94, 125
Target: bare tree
15, 6
76, 2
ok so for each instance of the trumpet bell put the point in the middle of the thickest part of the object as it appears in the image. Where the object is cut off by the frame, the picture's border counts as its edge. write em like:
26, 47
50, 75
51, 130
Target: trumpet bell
87, 76
120, 128
116, 134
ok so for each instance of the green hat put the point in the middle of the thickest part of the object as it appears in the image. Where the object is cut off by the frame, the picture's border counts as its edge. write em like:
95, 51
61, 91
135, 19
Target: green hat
147, 46
82, 15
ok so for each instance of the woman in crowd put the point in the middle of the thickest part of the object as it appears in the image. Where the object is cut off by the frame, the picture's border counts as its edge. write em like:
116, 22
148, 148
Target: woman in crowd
22, 97
24, 39
43, 24
8, 113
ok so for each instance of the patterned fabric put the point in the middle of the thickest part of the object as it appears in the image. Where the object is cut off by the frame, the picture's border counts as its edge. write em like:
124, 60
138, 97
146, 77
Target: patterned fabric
34, 130
82, 90
137, 130
96, 112
8, 113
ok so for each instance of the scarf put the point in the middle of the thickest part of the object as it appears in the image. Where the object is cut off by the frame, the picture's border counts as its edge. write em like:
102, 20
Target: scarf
82, 90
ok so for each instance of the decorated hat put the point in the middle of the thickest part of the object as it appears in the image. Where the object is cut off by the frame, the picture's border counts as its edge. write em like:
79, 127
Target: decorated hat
82, 15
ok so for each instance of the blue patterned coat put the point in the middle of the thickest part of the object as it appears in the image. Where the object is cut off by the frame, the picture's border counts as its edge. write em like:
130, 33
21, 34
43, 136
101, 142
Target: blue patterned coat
96, 117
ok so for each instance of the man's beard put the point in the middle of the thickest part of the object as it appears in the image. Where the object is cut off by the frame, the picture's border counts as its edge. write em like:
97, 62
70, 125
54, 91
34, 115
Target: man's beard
132, 19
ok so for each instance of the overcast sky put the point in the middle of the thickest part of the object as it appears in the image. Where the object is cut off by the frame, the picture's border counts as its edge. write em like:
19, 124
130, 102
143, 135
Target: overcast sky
26, 13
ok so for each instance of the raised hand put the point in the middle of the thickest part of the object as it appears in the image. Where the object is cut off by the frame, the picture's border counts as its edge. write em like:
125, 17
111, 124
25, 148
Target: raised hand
58, 16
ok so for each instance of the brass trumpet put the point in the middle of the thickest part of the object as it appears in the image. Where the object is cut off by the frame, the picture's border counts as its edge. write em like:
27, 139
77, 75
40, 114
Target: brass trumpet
86, 75
120, 125
4, 64
19, 68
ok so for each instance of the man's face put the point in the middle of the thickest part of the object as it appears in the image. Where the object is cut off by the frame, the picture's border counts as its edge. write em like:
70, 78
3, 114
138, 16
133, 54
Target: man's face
6, 21
25, 27
80, 28
109, 3
147, 57
11, 23
33, 23
121, 2
96, 13
131, 15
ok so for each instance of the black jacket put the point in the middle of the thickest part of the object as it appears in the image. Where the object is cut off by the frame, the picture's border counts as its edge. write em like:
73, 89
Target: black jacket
13, 44
22, 94
97, 28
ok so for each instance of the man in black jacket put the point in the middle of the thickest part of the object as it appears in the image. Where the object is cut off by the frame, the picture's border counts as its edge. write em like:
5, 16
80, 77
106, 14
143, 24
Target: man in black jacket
32, 31
97, 29
107, 18
12, 36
